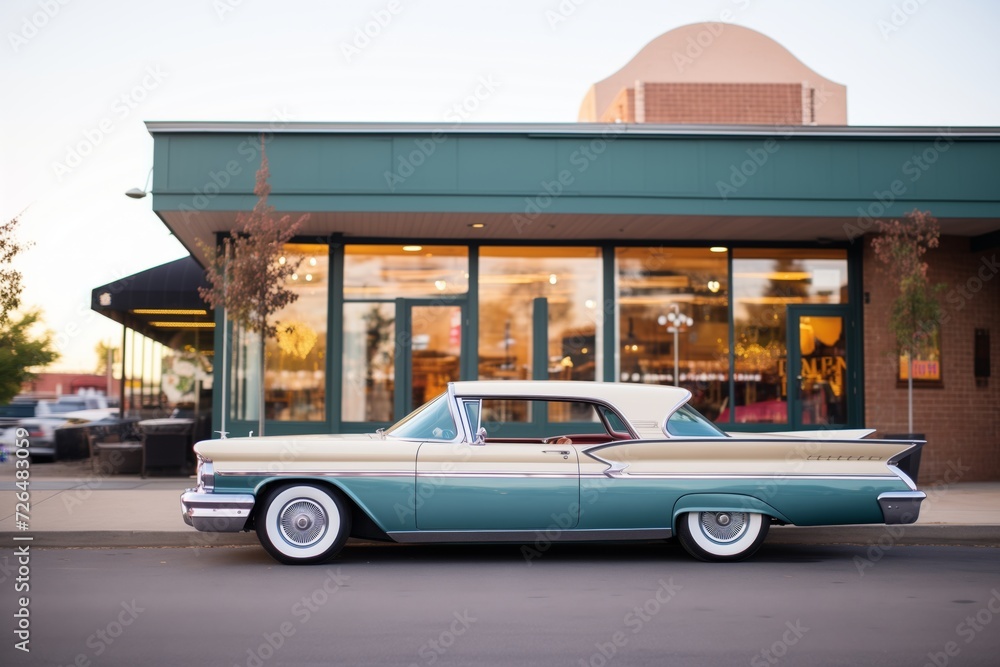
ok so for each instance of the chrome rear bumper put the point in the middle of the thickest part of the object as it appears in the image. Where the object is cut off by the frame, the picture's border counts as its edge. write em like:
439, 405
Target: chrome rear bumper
901, 506
216, 512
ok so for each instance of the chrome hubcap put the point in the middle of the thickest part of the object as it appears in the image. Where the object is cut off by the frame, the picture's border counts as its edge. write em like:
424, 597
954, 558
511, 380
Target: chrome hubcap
724, 526
303, 522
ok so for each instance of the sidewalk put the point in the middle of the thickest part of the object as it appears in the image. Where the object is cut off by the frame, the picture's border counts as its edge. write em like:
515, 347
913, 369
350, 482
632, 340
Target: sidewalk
73, 507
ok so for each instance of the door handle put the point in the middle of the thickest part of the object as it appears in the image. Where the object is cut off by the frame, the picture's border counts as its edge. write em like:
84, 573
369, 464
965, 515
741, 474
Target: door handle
563, 452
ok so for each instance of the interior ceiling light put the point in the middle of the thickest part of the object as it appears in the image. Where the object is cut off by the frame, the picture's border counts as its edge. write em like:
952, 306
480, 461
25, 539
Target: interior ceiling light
168, 311
478, 225
412, 248
718, 248
183, 325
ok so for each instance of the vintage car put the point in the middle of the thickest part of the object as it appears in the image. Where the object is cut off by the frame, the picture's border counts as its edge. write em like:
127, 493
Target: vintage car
539, 462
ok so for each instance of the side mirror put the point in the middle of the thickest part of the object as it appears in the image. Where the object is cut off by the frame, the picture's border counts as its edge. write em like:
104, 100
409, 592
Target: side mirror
480, 437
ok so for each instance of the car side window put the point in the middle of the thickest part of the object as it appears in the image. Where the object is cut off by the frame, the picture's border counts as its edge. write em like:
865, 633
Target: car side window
431, 422
614, 421
473, 408
688, 422
531, 419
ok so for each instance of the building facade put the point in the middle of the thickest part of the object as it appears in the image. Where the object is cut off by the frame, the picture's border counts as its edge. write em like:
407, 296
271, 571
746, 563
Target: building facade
715, 73
733, 261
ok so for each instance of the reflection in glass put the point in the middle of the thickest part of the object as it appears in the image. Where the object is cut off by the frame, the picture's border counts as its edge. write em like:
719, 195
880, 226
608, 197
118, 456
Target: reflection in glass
369, 362
510, 279
501, 416
657, 284
823, 347
765, 282
295, 357
436, 342
431, 421
388, 271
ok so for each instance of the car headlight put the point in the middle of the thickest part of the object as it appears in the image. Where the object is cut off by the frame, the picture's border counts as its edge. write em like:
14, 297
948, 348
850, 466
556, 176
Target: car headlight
205, 474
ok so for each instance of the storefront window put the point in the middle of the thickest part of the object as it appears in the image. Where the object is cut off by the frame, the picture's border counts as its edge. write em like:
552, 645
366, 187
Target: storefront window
510, 281
295, 358
661, 290
374, 272
369, 362
765, 283
400, 299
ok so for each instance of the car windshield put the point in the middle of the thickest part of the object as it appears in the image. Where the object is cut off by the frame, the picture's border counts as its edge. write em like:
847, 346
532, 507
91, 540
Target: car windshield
432, 421
688, 422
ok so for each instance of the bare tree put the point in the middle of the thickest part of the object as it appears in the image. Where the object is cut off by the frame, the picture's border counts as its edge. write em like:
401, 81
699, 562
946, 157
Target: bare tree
248, 274
916, 312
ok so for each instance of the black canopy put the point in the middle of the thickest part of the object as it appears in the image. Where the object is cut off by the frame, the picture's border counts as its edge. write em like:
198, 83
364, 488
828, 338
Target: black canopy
161, 303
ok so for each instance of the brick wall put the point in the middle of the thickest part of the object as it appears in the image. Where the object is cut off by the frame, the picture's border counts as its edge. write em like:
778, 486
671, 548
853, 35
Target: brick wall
961, 420
712, 103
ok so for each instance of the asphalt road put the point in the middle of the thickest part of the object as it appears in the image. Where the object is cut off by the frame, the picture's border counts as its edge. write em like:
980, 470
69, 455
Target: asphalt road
572, 605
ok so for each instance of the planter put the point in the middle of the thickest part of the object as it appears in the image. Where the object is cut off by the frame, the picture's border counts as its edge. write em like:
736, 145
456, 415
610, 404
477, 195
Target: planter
909, 464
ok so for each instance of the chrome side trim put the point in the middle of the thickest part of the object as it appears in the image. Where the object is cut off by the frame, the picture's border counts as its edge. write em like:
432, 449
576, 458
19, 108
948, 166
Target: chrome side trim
765, 476
616, 470
901, 506
316, 473
410, 474
499, 475
903, 476
216, 512
553, 534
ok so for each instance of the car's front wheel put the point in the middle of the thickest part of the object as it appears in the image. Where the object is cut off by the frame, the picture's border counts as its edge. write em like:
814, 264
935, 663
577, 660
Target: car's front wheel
722, 536
303, 523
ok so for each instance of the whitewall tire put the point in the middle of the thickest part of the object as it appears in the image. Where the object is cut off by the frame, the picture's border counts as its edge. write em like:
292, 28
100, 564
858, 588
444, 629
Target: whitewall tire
303, 524
722, 536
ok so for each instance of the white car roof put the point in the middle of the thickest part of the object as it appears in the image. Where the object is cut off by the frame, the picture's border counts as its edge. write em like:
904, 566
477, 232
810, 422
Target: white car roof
645, 406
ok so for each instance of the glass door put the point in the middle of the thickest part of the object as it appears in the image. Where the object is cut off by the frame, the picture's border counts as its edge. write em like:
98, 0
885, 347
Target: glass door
819, 356
429, 352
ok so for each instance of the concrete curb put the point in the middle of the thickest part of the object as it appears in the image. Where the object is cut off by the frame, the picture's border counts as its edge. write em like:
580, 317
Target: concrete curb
966, 535
884, 536
130, 538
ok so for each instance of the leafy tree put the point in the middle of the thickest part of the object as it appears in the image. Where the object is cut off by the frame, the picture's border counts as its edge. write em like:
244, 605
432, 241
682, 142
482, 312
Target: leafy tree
20, 352
916, 312
103, 350
10, 278
247, 277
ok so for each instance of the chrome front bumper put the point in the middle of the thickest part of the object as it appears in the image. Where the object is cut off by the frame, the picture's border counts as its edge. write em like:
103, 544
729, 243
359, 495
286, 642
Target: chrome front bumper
901, 506
216, 512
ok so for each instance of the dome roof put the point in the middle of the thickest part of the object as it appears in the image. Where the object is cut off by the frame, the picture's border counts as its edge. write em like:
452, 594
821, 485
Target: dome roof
716, 53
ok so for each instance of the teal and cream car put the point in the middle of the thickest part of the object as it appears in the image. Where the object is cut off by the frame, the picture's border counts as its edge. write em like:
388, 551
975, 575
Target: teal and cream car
527, 462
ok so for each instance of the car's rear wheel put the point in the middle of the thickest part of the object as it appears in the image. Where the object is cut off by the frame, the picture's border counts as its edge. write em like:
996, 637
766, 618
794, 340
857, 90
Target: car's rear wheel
303, 523
722, 536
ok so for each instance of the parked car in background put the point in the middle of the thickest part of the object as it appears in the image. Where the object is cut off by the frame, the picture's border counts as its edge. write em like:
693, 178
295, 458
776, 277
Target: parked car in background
533, 462
75, 404
16, 410
48, 415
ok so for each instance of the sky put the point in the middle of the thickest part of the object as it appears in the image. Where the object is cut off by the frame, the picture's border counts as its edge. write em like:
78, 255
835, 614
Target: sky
80, 79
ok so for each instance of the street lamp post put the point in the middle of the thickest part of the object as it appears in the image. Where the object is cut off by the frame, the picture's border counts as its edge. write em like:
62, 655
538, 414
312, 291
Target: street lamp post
675, 319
